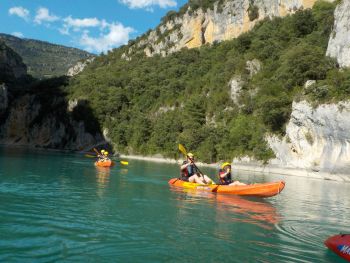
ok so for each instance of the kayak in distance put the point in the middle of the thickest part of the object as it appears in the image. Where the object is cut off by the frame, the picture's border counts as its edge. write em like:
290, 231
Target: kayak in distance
339, 244
259, 190
107, 163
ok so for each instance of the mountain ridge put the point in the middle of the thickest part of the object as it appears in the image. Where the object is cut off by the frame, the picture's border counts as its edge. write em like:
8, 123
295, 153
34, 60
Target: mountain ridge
205, 22
45, 59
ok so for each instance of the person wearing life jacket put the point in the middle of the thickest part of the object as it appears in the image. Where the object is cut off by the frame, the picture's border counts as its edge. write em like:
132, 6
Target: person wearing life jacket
225, 175
189, 172
100, 156
103, 157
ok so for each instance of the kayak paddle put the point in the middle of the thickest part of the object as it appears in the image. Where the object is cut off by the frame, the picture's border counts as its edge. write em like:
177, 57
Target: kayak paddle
92, 156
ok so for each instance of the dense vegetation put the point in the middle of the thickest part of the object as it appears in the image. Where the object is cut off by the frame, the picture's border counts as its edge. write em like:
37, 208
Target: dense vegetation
43, 59
151, 104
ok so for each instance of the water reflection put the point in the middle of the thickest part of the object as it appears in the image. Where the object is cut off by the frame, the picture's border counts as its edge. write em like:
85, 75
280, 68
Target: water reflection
257, 212
123, 171
102, 178
185, 195
233, 208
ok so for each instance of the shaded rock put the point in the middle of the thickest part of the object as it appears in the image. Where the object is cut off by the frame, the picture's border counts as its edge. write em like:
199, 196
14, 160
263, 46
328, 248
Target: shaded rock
3, 98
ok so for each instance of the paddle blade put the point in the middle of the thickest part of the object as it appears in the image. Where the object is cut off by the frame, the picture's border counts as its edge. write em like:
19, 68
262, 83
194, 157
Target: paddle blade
182, 149
90, 156
124, 162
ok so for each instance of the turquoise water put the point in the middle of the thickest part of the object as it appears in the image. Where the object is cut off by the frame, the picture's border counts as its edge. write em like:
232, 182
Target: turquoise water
59, 207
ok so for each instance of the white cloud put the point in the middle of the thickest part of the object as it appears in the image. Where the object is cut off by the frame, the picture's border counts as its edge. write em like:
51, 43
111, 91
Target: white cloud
18, 34
43, 15
117, 35
110, 34
149, 3
19, 11
79, 23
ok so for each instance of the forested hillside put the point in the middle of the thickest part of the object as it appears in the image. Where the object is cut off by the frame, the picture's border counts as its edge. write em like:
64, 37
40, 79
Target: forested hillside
44, 59
212, 99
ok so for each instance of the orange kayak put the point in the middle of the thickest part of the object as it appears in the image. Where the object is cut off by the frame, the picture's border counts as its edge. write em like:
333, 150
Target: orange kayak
107, 163
260, 190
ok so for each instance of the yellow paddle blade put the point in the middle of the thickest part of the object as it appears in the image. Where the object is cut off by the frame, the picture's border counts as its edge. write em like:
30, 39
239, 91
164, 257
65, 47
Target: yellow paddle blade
182, 149
124, 162
90, 156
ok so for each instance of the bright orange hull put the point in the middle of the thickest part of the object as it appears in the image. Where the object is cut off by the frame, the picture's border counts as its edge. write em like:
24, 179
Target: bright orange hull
260, 190
108, 163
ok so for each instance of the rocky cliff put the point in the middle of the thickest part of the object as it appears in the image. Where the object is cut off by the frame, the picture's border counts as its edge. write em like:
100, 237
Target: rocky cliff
79, 67
317, 139
194, 25
339, 42
31, 121
36, 113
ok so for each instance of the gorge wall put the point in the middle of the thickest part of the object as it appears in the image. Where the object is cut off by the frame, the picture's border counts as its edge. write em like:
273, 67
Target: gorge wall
30, 122
37, 113
339, 41
316, 138
224, 21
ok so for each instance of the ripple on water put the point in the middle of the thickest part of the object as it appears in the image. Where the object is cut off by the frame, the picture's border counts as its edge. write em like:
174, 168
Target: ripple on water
71, 211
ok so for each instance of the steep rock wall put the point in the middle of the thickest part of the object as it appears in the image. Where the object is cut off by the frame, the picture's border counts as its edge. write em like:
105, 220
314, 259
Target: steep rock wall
339, 42
316, 138
224, 22
30, 123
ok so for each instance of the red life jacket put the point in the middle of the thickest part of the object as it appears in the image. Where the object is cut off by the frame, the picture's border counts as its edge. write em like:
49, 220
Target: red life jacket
227, 179
188, 171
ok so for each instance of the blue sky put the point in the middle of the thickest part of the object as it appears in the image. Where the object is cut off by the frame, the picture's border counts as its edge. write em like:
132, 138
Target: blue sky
94, 26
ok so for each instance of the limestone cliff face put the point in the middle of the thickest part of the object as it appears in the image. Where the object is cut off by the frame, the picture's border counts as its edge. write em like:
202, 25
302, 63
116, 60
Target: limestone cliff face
79, 67
39, 116
339, 42
225, 21
317, 139
30, 123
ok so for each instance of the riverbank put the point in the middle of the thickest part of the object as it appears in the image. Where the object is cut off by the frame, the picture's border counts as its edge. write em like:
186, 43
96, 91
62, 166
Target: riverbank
160, 159
256, 168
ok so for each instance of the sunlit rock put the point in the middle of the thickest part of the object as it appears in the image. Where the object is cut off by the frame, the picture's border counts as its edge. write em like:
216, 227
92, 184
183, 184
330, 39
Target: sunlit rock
316, 138
79, 67
226, 20
339, 41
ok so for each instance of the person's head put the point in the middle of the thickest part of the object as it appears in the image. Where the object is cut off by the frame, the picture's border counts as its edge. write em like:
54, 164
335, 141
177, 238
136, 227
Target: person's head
190, 156
226, 166
105, 153
102, 151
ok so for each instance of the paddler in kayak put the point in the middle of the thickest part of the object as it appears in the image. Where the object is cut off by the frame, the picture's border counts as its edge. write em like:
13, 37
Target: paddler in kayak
190, 173
103, 157
225, 175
